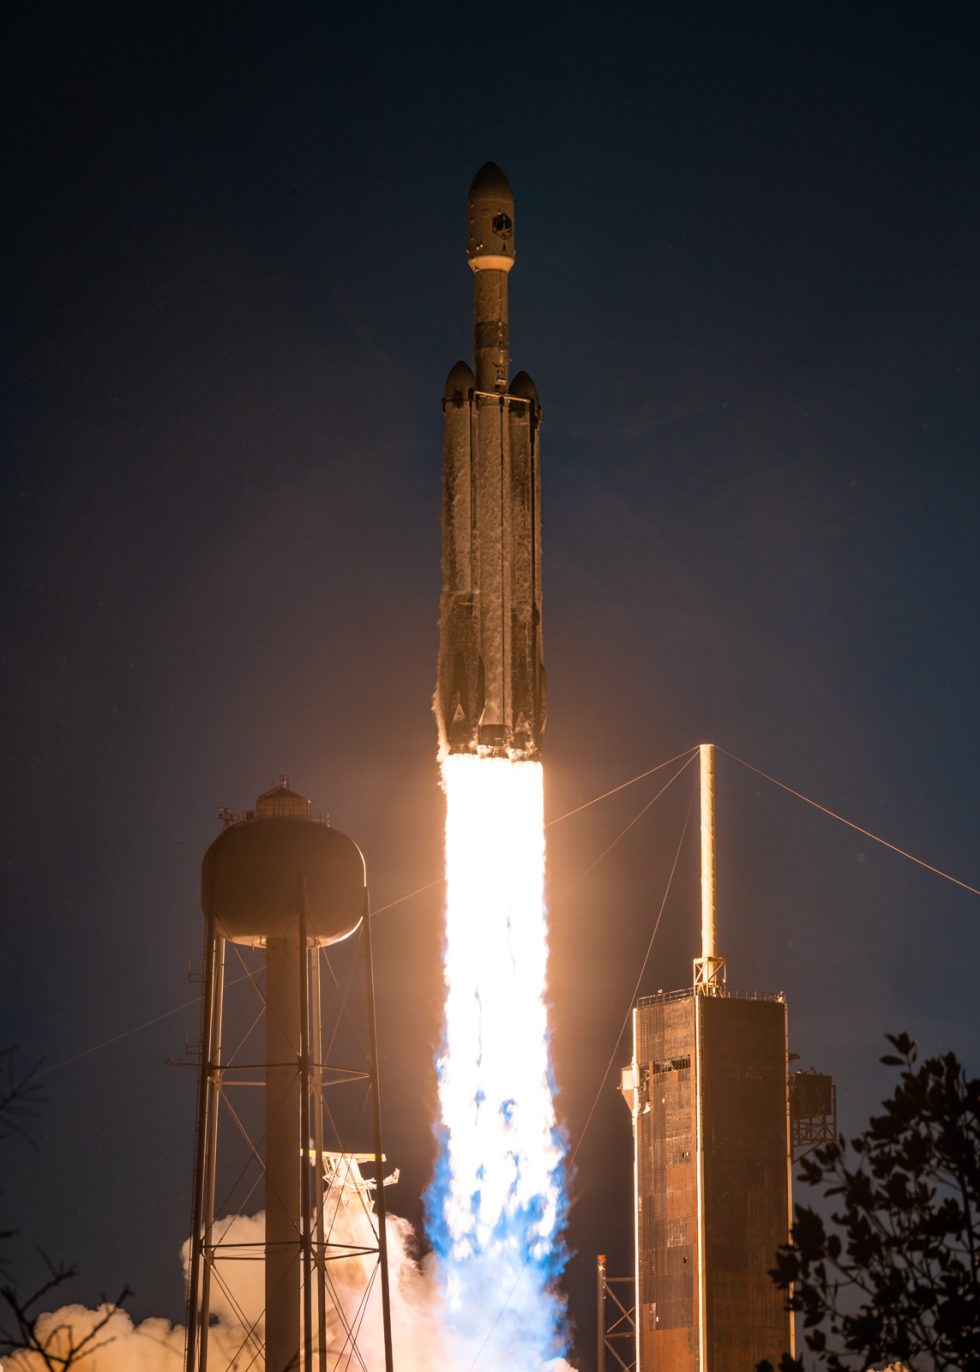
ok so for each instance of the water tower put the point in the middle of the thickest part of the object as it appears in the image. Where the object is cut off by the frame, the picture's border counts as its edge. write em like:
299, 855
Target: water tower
281, 881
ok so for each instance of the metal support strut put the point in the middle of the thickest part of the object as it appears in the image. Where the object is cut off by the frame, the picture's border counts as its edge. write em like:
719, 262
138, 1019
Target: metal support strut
380, 1207
616, 1326
202, 1219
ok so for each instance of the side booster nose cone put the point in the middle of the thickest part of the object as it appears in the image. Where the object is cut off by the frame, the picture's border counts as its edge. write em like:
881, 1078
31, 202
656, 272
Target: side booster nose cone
490, 693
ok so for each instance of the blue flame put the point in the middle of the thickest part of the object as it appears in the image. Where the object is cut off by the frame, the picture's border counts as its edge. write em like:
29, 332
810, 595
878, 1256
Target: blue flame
496, 1206
502, 1298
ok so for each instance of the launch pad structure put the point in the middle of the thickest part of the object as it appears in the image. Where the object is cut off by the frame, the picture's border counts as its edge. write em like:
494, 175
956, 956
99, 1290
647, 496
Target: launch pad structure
708, 1092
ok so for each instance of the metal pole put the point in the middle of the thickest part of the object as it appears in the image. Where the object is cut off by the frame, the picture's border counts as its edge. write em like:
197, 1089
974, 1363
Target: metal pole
789, 1167
321, 1247
379, 1190
698, 1074
601, 1311
203, 1100
306, 1227
709, 880
709, 968
214, 1084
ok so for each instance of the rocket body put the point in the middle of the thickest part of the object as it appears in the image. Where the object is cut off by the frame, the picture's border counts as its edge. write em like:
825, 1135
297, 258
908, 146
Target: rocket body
490, 693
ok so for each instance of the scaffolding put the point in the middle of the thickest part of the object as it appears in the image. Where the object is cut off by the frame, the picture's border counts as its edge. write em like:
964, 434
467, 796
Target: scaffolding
616, 1320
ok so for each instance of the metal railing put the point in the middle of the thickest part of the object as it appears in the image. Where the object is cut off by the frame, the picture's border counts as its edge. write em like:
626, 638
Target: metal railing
687, 992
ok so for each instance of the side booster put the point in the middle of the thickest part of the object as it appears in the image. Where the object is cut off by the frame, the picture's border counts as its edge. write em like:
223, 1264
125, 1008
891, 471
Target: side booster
490, 694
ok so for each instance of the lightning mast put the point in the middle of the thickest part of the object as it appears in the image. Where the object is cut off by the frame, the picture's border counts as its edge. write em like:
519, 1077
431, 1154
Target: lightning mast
709, 968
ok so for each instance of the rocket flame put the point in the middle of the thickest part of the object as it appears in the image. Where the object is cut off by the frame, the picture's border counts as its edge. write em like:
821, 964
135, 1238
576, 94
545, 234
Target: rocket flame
497, 1204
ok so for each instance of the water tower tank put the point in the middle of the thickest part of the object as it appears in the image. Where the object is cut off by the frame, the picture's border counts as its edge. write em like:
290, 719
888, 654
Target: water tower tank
265, 869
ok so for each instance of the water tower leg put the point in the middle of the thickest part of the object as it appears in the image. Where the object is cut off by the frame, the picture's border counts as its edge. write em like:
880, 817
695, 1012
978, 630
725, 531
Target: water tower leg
202, 1220
320, 1252
305, 1135
380, 1208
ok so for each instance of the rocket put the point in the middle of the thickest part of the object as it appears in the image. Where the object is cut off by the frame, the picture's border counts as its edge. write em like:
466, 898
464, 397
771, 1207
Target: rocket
490, 693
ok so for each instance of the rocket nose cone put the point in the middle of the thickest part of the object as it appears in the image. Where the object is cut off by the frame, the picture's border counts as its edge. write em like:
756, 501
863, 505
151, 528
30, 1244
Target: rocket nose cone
491, 220
490, 183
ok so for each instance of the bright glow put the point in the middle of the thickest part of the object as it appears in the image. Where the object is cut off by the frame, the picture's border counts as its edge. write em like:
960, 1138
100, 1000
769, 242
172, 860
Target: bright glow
497, 1204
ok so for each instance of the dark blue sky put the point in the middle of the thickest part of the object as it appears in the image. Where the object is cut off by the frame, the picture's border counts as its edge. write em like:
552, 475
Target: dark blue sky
747, 288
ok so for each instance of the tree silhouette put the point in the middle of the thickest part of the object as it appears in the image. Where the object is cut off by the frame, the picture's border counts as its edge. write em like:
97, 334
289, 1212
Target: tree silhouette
59, 1347
895, 1275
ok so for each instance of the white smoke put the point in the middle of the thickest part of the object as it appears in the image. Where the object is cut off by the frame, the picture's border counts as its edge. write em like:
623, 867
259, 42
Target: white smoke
421, 1337
120, 1346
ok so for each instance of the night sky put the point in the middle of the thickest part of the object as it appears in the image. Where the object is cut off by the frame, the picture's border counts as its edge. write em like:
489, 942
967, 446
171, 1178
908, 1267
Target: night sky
748, 290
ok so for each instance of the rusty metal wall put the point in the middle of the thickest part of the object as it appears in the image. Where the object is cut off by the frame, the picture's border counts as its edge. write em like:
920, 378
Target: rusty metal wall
811, 1093
744, 1126
741, 1078
667, 1180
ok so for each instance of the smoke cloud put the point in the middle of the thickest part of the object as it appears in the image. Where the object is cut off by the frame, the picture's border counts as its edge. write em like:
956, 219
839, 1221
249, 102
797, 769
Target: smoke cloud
422, 1335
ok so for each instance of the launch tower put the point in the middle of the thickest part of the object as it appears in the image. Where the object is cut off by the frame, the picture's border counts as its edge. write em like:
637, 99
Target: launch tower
708, 1094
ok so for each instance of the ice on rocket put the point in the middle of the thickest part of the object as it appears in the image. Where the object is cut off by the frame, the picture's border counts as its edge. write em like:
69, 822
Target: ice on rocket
490, 694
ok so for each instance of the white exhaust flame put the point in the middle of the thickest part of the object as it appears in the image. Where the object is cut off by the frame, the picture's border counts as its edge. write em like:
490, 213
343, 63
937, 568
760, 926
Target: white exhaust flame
497, 1204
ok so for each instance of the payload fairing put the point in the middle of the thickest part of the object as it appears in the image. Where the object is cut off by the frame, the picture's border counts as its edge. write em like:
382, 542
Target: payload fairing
490, 693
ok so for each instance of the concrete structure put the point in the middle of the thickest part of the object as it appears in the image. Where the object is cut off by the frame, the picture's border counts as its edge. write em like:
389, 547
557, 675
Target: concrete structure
708, 1093
490, 691
280, 881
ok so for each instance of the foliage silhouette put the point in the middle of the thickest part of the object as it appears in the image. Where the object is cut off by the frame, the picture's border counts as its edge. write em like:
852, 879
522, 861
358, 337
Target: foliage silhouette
895, 1276
61, 1346
58, 1347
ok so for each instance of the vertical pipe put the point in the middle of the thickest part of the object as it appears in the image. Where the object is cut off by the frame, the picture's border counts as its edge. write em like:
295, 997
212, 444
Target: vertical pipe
699, 1135
379, 1191
203, 1101
282, 1157
306, 1207
637, 1320
321, 1245
600, 1295
789, 1171
709, 881
214, 1086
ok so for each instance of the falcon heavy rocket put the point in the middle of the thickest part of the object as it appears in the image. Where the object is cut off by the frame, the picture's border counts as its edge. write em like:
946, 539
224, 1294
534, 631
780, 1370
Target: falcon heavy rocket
490, 693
